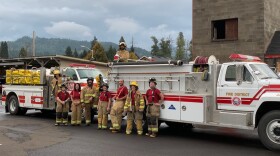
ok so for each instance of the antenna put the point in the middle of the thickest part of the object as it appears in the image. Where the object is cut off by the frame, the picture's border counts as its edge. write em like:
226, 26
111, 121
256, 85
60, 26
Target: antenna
33, 44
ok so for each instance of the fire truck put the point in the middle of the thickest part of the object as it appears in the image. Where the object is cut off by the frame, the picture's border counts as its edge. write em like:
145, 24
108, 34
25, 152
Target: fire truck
31, 89
242, 94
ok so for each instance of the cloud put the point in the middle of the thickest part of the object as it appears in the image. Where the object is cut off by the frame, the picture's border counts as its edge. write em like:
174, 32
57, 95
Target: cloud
122, 25
71, 30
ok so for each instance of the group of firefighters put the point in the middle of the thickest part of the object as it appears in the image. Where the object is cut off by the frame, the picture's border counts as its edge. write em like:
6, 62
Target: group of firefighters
126, 102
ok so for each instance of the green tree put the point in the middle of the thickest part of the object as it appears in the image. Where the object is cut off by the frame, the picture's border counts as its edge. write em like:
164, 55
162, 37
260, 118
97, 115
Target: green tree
22, 53
68, 52
165, 47
76, 53
155, 48
111, 53
99, 53
121, 39
83, 54
180, 49
133, 56
132, 48
4, 50
93, 41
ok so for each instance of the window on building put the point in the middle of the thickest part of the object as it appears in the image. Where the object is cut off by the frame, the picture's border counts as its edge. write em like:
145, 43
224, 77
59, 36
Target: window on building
225, 29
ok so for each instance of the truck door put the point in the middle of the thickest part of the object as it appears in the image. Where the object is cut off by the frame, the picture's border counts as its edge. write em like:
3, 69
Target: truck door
236, 88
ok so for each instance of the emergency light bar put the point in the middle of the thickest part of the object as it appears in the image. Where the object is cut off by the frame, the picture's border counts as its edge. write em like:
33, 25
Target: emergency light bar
82, 65
240, 57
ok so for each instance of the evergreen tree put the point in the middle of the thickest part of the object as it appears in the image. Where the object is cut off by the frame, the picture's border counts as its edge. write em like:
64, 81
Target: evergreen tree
93, 42
1, 49
68, 52
180, 50
111, 53
99, 53
76, 53
165, 47
155, 48
83, 54
121, 39
22, 53
132, 48
4, 50
133, 56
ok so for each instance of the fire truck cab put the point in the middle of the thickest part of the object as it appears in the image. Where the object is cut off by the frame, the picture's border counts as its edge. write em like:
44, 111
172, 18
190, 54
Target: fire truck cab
243, 94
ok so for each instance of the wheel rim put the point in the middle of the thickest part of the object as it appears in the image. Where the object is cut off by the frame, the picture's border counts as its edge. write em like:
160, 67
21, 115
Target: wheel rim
13, 105
272, 131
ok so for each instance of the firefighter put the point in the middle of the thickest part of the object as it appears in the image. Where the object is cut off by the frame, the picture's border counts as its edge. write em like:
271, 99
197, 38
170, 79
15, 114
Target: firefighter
56, 82
153, 99
104, 105
76, 105
117, 109
123, 54
134, 107
62, 107
87, 99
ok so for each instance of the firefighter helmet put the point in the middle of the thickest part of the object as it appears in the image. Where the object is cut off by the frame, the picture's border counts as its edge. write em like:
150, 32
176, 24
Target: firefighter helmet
122, 43
63, 86
105, 84
153, 80
56, 72
133, 83
90, 79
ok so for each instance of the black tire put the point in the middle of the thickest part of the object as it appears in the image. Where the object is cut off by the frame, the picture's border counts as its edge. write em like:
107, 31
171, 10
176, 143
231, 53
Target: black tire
13, 105
265, 126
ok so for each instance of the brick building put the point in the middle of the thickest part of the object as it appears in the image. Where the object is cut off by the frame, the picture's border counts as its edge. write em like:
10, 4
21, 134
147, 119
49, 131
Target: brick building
222, 27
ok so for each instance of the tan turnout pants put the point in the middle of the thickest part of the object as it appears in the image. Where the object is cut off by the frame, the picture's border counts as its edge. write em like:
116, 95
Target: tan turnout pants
116, 115
153, 112
137, 117
103, 115
62, 113
76, 117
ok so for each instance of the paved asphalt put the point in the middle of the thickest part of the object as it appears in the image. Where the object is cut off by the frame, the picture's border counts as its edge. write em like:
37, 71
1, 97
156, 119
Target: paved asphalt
35, 134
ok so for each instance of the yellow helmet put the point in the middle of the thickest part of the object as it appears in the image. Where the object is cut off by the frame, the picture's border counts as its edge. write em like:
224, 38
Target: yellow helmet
133, 83
56, 72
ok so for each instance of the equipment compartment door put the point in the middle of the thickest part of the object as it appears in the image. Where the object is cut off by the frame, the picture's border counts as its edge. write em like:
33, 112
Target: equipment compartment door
170, 109
192, 109
37, 100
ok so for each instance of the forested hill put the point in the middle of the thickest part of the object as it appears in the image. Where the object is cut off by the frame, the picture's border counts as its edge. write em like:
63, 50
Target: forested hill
53, 46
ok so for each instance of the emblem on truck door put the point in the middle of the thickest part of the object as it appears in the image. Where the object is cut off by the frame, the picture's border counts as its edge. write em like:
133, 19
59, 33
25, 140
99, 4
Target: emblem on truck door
236, 101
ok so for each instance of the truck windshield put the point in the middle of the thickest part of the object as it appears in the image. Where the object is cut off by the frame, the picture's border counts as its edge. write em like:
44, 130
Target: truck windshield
263, 71
85, 73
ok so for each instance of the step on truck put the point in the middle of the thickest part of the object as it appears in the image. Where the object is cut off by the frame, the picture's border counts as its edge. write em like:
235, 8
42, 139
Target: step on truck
242, 94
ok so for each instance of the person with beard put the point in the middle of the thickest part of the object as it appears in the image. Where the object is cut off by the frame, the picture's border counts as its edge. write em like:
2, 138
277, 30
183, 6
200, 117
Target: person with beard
88, 94
122, 54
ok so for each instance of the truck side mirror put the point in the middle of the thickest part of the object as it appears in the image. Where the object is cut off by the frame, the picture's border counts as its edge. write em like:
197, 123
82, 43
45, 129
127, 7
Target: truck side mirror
239, 73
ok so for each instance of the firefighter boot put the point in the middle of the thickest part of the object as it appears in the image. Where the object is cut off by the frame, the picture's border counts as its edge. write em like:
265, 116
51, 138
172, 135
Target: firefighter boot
139, 127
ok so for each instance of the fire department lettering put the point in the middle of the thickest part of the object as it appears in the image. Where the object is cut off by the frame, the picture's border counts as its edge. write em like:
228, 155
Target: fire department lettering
237, 94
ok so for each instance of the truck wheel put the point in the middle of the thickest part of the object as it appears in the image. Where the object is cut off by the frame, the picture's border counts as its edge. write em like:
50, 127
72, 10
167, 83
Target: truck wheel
269, 130
13, 105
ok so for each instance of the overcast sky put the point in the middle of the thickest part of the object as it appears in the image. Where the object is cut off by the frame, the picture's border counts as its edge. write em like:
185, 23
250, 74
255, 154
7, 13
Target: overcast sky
105, 19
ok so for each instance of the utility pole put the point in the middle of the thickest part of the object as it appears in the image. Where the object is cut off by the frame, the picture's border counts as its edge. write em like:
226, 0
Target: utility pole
33, 44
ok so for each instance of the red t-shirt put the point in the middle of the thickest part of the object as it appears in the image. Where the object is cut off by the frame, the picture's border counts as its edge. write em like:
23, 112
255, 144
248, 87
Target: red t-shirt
76, 95
121, 92
63, 95
133, 98
105, 96
153, 96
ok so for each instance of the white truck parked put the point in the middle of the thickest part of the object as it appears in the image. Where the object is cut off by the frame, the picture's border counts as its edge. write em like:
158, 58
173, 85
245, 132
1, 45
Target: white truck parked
31, 89
240, 94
